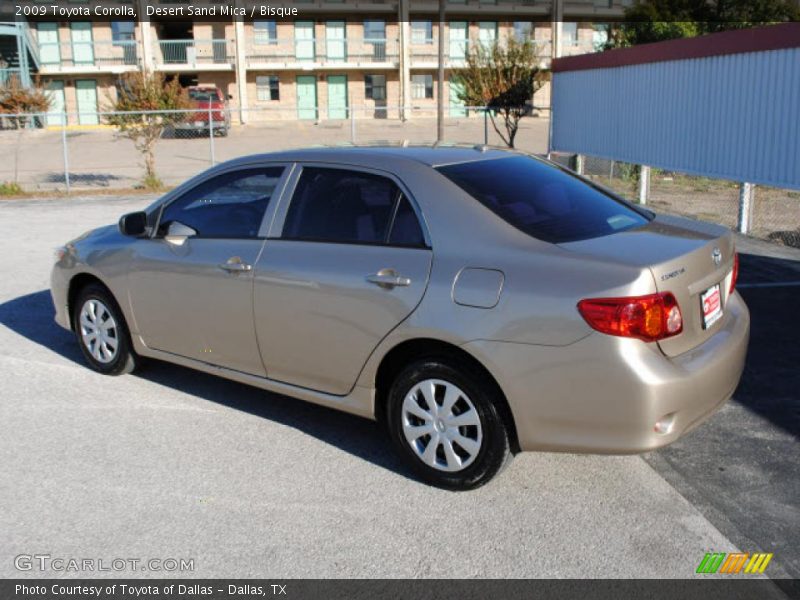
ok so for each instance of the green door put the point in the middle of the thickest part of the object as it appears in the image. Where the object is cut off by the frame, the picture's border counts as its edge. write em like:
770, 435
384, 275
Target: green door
307, 97
49, 50
337, 96
458, 41
304, 40
82, 50
86, 95
335, 41
456, 105
55, 114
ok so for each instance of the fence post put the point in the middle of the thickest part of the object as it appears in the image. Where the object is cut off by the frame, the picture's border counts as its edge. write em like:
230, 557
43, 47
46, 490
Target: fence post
579, 164
211, 135
746, 197
644, 184
485, 126
65, 151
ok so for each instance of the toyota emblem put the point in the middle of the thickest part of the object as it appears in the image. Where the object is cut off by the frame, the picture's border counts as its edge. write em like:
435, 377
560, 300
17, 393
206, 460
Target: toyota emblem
716, 256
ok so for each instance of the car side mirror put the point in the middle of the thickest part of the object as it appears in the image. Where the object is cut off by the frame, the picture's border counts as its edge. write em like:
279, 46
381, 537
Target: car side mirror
178, 233
133, 224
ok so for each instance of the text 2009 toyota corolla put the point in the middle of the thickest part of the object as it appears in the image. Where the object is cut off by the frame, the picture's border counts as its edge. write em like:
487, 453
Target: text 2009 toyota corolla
476, 302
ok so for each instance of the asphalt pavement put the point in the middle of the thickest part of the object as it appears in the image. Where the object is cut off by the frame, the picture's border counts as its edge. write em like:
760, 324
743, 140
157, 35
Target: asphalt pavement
171, 463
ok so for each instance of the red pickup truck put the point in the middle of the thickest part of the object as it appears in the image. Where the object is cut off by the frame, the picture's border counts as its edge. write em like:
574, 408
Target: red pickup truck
211, 102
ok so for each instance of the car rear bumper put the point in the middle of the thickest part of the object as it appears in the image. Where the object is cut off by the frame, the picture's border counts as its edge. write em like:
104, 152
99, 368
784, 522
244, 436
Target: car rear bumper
605, 394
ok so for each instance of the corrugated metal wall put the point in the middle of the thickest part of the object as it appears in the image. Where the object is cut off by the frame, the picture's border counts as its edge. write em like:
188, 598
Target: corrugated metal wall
735, 116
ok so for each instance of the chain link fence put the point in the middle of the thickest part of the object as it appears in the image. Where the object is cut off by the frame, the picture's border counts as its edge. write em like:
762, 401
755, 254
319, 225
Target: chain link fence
774, 216
47, 154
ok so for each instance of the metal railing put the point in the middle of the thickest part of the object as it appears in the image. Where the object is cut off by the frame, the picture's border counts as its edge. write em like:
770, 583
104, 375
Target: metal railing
289, 52
55, 55
7, 74
194, 52
456, 52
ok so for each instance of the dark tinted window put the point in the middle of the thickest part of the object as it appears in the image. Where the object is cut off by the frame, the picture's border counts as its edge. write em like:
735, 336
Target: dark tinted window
337, 205
406, 230
231, 205
541, 200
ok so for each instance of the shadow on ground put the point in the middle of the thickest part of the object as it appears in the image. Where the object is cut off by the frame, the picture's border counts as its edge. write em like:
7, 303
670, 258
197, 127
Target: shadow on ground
31, 316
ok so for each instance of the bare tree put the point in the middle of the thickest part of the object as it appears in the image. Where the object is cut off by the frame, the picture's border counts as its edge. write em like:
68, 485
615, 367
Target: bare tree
503, 77
139, 95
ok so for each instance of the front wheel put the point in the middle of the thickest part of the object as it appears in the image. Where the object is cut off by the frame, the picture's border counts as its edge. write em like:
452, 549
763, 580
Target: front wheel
102, 333
443, 420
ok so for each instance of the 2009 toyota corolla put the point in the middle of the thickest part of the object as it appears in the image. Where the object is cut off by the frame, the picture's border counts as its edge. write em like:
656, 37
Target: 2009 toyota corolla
477, 302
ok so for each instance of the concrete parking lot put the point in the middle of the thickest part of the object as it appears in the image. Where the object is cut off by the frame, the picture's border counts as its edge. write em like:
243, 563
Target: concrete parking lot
170, 463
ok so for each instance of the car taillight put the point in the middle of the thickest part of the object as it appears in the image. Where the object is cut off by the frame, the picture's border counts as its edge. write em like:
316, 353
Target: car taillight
734, 273
649, 318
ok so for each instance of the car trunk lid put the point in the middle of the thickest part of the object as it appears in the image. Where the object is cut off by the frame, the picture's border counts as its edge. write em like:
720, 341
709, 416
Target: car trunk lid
685, 257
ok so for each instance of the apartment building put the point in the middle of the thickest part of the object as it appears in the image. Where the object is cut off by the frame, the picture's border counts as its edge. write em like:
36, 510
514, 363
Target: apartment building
376, 56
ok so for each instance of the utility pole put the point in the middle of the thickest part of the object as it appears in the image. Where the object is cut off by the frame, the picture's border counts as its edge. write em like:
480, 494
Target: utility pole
440, 99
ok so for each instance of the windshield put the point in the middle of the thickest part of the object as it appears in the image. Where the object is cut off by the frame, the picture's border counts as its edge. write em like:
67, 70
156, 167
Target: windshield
542, 200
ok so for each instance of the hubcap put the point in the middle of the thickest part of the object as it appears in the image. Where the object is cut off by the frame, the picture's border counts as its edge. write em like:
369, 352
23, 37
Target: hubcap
441, 425
99, 331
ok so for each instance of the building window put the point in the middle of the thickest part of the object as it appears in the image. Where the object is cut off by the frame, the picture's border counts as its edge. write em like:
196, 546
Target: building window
265, 32
374, 30
375, 87
523, 30
268, 88
421, 32
123, 31
421, 86
570, 33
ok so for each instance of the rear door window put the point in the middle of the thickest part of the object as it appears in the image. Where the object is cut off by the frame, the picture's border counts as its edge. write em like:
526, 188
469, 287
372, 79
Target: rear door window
351, 207
542, 200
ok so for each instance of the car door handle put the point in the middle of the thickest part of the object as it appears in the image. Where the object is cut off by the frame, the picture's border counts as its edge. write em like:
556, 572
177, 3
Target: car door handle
235, 265
388, 278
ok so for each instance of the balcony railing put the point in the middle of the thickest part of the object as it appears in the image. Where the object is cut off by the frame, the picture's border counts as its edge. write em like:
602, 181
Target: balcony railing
294, 51
456, 52
53, 55
195, 52
7, 74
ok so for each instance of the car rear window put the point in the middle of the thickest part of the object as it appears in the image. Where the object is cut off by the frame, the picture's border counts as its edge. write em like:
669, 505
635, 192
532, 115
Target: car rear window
204, 95
542, 200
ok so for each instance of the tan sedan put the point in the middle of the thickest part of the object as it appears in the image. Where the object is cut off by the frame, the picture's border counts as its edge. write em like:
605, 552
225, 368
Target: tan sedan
476, 302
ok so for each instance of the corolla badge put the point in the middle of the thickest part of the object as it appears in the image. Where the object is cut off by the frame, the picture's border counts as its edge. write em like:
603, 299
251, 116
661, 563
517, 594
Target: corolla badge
716, 256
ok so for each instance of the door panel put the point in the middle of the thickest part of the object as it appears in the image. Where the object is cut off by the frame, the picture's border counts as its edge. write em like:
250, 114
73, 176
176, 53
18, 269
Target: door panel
306, 97
82, 49
86, 96
337, 96
304, 40
195, 299
458, 41
318, 318
457, 108
185, 304
49, 49
55, 114
335, 41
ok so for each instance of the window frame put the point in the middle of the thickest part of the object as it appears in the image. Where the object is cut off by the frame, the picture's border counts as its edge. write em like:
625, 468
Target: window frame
192, 184
287, 197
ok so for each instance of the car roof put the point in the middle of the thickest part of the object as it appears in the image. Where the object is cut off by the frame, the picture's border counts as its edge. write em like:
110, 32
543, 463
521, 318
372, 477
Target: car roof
383, 157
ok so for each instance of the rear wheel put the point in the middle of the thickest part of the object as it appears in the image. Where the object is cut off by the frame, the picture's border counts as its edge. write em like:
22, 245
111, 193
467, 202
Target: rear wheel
102, 333
443, 420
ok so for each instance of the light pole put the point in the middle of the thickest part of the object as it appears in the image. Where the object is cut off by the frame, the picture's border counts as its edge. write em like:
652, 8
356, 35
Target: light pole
440, 99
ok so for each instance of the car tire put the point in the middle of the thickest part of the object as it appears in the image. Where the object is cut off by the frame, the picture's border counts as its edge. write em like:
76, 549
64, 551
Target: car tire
102, 333
473, 420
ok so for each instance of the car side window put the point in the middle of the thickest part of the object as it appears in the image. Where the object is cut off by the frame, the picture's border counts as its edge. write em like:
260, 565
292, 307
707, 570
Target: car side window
406, 230
343, 206
231, 205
